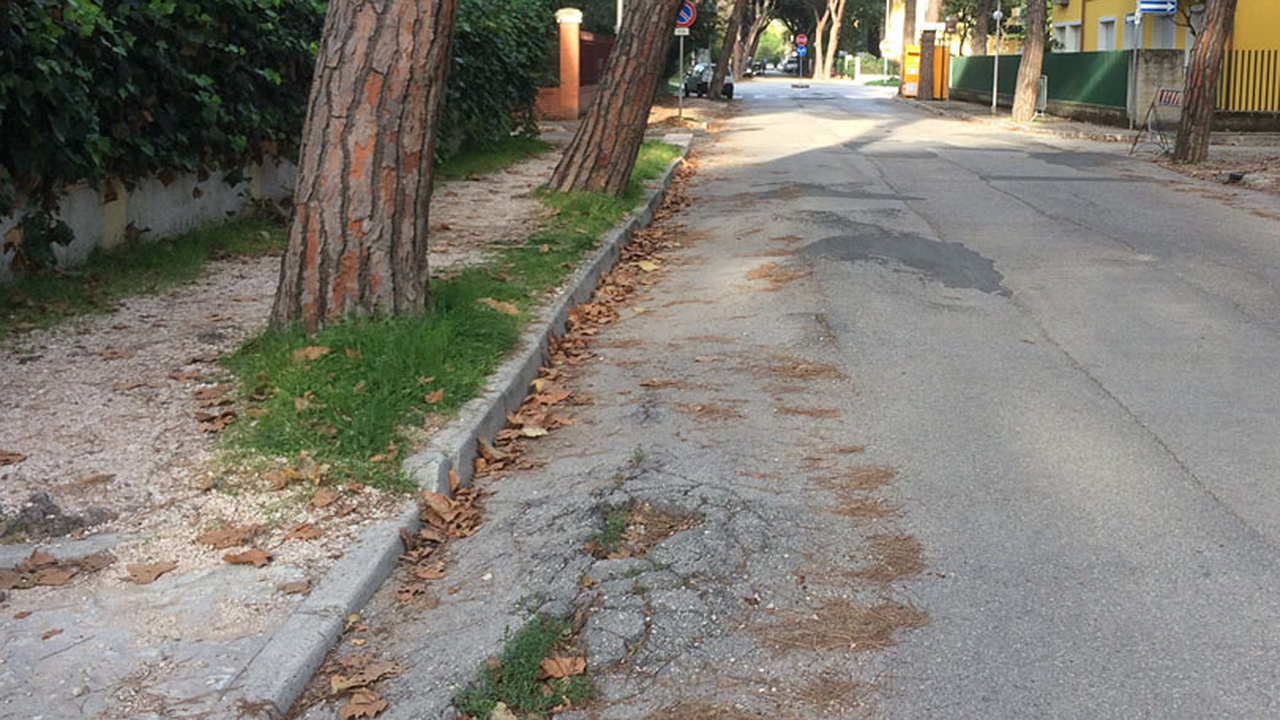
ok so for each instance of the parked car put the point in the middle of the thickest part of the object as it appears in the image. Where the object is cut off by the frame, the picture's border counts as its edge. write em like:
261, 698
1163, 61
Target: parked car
789, 66
698, 81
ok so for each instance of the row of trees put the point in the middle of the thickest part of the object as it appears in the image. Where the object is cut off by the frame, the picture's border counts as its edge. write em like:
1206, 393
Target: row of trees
358, 241
358, 237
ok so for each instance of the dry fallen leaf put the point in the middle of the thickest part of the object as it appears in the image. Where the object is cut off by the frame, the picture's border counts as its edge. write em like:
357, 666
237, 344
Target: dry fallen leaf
9, 457
647, 265
363, 704
146, 573
500, 306
113, 354
561, 667
51, 633
298, 587
22, 615
502, 712
53, 577
254, 557
303, 531
323, 497
533, 431
311, 352
229, 536
434, 397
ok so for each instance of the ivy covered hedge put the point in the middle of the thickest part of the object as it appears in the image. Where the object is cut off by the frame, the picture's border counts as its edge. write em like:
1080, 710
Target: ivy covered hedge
501, 55
129, 88
133, 88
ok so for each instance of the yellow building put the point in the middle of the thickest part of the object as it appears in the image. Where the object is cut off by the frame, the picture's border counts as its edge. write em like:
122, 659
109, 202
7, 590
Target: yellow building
1099, 25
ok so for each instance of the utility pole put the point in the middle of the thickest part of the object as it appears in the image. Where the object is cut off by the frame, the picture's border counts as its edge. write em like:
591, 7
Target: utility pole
995, 70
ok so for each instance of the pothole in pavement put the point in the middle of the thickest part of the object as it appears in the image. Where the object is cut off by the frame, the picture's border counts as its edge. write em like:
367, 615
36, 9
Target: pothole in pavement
952, 264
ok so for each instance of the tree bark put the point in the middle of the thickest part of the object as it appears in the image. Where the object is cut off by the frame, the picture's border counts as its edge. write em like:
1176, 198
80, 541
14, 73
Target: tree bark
1203, 73
819, 44
603, 151
932, 13
925, 90
833, 39
981, 16
1028, 87
358, 240
726, 49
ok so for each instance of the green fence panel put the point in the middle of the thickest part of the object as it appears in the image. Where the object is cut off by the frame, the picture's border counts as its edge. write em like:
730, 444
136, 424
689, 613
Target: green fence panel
1097, 78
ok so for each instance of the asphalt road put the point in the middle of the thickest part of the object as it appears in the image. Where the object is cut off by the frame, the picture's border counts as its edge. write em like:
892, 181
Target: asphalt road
1068, 358
1072, 358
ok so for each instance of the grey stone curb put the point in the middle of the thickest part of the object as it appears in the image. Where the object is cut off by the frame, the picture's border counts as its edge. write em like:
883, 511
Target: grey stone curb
279, 673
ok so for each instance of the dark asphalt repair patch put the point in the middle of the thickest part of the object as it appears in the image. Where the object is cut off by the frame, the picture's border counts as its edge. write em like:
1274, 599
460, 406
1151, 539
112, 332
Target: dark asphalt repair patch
952, 264
846, 191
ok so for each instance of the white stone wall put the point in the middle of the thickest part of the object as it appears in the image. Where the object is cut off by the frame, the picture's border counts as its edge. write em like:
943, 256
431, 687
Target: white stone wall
160, 210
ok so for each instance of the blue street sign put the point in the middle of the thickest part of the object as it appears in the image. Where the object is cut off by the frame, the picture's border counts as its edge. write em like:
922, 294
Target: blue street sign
802, 51
1157, 7
688, 13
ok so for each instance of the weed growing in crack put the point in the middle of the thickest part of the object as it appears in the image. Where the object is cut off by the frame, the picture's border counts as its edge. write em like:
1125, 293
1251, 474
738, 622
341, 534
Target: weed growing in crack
610, 538
514, 676
637, 457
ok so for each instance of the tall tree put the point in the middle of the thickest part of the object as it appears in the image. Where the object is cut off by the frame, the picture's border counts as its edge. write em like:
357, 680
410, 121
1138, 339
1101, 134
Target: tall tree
358, 240
833, 37
603, 150
727, 45
818, 43
1203, 72
932, 14
758, 15
981, 16
1028, 87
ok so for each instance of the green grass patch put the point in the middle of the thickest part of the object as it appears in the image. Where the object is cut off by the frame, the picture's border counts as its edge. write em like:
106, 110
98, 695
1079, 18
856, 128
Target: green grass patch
480, 161
513, 678
609, 539
350, 404
884, 82
137, 268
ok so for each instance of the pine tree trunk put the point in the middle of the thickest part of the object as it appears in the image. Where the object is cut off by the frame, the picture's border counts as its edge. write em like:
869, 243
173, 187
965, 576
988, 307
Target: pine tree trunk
726, 49
1203, 73
925, 91
981, 16
833, 39
932, 13
603, 151
358, 240
819, 44
1028, 87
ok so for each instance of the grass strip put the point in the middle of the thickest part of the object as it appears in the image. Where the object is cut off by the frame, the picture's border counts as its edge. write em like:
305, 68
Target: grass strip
137, 268
354, 405
513, 678
481, 161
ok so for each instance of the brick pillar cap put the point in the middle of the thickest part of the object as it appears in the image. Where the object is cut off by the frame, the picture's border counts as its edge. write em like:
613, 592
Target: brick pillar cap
569, 16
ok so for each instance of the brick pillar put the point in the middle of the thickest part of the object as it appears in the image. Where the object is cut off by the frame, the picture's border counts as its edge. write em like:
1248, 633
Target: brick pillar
570, 21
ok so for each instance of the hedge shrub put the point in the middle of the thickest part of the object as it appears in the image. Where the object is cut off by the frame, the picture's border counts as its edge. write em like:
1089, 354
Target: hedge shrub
500, 58
129, 88
135, 88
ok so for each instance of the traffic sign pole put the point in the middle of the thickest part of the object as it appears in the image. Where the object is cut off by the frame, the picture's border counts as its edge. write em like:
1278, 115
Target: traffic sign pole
688, 13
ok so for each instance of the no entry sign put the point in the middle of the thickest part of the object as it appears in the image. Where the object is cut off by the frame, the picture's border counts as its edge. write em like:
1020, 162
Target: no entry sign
688, 13
801, 39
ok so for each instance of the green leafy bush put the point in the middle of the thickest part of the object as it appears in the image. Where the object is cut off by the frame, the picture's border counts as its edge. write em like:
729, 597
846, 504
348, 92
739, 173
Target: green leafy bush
500, 58
129, 88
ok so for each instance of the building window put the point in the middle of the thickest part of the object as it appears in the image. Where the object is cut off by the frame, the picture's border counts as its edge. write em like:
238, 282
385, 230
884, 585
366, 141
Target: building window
1066, 37
1130, 32
1106, 34
1162, 32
